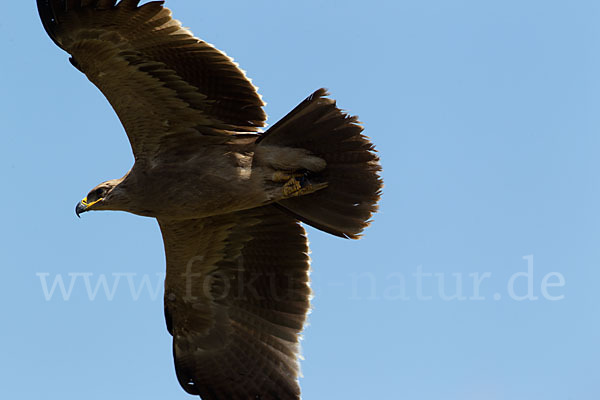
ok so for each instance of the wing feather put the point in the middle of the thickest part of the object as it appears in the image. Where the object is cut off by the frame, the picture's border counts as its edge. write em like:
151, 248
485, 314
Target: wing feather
158, 77
236, 297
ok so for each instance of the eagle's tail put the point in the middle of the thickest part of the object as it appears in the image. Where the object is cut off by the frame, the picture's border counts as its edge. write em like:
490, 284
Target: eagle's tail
344, 207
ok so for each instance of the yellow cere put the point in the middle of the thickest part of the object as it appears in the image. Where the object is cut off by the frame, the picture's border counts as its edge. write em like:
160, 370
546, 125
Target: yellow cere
88, 205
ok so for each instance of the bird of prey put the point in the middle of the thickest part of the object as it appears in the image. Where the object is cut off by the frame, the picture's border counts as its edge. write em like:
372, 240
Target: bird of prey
228, 196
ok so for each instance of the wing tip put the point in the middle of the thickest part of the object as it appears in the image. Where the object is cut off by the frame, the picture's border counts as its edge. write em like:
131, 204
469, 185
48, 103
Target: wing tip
48, 17
47, 10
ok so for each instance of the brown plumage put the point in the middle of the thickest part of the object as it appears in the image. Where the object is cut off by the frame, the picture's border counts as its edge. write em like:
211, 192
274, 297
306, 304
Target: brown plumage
228, 198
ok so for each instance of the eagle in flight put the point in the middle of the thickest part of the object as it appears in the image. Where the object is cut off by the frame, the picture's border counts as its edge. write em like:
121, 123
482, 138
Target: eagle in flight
228, 197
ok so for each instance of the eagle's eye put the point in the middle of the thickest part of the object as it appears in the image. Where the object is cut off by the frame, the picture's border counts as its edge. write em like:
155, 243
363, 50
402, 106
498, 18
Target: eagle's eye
96, 194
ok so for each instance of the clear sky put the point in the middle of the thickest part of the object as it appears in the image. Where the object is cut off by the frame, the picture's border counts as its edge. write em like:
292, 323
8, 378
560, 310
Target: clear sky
478, 278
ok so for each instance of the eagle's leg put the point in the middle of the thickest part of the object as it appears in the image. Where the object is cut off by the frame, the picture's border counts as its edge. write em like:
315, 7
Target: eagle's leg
295, 172
285, 176
297, 183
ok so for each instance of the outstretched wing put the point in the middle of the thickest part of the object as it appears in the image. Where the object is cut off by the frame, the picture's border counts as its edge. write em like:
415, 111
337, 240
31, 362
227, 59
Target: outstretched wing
164, 83
236, 297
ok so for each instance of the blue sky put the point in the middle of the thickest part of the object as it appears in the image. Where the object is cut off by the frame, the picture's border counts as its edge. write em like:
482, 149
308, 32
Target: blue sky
486, 118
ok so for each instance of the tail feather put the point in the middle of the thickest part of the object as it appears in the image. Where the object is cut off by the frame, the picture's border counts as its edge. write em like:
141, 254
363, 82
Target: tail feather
352, 173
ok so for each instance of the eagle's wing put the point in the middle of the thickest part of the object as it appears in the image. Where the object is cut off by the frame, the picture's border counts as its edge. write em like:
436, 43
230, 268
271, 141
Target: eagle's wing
236, 297
164, 83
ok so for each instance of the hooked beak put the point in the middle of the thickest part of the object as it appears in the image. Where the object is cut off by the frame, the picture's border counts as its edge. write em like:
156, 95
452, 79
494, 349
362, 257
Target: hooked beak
80, 208
84, 206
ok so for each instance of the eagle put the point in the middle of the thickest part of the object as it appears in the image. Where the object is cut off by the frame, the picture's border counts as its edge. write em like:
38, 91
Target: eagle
229, 197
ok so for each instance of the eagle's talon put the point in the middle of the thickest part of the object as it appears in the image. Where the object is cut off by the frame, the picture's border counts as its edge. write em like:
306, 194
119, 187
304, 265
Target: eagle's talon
292, 188
284, 176
299, 185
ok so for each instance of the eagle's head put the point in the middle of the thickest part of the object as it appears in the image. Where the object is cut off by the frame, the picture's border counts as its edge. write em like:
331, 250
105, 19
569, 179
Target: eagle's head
105, 196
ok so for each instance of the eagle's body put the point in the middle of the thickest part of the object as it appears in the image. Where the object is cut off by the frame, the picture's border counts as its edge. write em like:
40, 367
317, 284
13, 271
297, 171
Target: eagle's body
212, 179
228, 197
